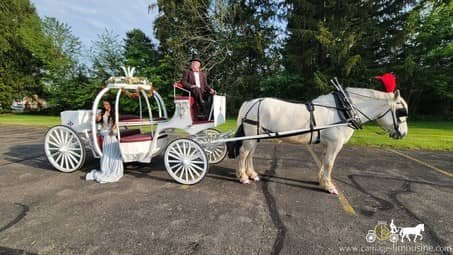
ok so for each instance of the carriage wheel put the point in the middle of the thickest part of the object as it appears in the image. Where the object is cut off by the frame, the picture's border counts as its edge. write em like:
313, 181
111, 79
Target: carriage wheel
186, 161
371, 237
64, 149
216, 152
393, 238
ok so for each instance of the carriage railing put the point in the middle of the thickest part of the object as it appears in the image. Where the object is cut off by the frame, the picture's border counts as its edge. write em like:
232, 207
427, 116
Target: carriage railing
180, 86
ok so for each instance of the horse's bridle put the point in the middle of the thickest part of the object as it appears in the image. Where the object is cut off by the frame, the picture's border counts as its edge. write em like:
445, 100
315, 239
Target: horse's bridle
397, 114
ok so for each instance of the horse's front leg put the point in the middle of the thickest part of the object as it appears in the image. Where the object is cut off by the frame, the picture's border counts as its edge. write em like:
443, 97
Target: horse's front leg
250, 170
326, 183
240, 172
321, 168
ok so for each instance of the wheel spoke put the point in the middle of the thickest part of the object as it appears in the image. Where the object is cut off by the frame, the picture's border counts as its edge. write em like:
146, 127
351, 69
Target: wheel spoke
177, 170
182, 172
198, 167
184, 148
175, 151
187, 175
65, 162
193, 153
74, 153
195, 171
190, 172
179, 149
174, 155
71, 139
56, 137
57, 160
71, 160
66, 136
174, 161
175, 166
54, 144
61, 135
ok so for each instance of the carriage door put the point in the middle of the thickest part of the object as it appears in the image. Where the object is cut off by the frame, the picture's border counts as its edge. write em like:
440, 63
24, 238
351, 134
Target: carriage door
219, 109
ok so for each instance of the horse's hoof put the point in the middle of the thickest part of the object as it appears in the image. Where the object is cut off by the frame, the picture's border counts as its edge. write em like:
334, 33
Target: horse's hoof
256, 178
332, 190
245, 181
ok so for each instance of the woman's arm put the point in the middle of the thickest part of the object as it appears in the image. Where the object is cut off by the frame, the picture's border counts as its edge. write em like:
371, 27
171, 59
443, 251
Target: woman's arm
99, 117
112, 130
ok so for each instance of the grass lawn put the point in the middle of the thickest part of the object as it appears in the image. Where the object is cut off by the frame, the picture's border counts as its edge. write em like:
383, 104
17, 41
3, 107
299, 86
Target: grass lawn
425, 135
30, 120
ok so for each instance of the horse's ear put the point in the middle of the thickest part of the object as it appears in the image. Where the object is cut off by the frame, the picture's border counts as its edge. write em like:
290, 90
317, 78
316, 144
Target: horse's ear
397, 94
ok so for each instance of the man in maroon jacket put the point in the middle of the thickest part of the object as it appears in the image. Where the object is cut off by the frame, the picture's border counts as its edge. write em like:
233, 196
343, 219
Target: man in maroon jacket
196, 82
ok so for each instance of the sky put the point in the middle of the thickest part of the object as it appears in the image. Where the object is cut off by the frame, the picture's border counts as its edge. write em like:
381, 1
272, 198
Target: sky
88, 18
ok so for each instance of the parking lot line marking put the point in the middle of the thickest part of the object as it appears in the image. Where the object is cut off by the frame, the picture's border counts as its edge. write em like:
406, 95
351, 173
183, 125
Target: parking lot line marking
422, 163
341, 197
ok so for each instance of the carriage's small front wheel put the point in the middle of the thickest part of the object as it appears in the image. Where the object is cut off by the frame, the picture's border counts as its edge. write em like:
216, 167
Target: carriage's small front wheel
64, 149
216, 152
186, 161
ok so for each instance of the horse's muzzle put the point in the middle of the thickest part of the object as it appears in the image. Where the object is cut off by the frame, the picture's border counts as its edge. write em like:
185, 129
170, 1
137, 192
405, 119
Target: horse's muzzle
397, 135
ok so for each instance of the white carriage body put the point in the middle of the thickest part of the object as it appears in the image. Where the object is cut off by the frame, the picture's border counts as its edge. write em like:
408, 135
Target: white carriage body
65, 144
79, 120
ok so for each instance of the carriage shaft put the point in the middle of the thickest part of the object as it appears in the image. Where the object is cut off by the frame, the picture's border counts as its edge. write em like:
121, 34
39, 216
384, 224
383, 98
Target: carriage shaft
276, 134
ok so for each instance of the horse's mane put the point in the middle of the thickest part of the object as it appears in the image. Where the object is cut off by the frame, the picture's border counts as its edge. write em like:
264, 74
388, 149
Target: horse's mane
371, 93
362, 91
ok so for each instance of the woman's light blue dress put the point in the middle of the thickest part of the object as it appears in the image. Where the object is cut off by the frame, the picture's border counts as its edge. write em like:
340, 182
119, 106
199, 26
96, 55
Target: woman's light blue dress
111, 161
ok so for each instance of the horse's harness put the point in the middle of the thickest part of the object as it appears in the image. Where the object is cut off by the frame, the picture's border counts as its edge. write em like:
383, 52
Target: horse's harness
397, 114
346, 110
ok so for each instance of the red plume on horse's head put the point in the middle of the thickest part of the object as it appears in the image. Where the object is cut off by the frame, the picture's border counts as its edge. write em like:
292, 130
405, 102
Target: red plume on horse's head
388, 80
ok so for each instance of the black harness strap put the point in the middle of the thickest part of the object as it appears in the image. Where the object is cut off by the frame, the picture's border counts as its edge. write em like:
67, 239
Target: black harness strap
254, 122
346, 110
311, 109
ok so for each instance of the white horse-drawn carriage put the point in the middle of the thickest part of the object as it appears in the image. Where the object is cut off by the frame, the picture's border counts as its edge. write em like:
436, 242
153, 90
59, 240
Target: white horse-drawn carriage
187, 157
142, 136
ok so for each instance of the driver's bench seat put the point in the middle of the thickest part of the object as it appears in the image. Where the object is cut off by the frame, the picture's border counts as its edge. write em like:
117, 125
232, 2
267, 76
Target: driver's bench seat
186, 96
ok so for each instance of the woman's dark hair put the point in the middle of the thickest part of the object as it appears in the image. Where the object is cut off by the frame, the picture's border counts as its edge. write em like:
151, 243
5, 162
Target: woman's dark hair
112, 113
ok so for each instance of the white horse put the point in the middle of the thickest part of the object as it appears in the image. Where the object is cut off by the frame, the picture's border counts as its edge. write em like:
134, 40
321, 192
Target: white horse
416, 231
389, 109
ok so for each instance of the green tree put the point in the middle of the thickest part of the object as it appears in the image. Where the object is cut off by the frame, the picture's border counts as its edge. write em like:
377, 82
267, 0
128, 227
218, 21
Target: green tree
107, 56
425, 69
140, 52
64, 74
20, 68
232, 37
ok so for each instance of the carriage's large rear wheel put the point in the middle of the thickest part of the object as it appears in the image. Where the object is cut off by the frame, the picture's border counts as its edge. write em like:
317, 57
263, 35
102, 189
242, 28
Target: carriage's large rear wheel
64, 149
186, 161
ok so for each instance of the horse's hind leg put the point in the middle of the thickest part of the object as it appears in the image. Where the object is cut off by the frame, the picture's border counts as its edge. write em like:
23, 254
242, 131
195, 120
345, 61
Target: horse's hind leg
250, 170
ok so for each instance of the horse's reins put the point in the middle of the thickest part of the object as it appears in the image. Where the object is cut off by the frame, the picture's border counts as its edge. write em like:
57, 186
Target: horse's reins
394, 114
395, 121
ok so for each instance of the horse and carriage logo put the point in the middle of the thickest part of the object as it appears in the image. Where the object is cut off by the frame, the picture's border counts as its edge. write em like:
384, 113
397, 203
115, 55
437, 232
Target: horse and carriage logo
383, 232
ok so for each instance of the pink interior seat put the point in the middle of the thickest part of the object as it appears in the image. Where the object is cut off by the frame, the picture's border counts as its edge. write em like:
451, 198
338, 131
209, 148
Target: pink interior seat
136, 138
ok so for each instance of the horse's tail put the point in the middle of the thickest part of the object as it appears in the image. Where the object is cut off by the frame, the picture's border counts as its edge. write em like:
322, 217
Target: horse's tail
235, 147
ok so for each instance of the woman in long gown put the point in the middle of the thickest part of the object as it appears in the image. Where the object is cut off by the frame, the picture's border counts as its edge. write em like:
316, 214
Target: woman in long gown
111, 161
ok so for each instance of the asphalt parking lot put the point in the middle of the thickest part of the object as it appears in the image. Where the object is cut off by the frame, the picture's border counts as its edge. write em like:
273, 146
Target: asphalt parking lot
43, 211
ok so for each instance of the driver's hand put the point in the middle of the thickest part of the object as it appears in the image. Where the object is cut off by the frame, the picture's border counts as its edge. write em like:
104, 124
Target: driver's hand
212, 91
